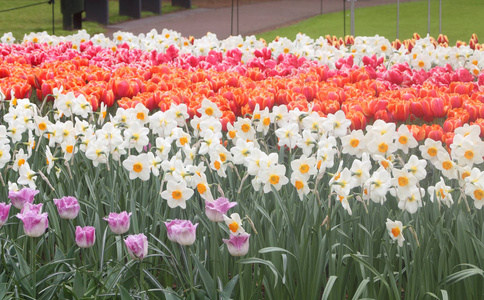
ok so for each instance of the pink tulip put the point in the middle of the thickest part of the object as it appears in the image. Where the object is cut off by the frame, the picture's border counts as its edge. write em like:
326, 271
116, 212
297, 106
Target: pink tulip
19, 198
216, 209
238, 245
181, 232
85, 236
35, 222
36, 208
119, 223
68, 207
4, 211
137, 246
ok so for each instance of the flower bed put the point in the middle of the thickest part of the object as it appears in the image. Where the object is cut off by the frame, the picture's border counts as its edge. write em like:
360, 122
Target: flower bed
307, 166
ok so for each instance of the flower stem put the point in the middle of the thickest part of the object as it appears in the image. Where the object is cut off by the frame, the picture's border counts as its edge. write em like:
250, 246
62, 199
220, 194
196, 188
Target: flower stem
34, 267
141, 277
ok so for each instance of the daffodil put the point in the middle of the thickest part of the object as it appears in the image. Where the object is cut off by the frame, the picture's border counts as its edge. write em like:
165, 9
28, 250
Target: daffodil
395, 230
176, 194
234, 223
273, 176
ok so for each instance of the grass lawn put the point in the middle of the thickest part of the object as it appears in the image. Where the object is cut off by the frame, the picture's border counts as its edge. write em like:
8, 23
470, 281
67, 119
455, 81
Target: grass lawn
39, 17
460, 18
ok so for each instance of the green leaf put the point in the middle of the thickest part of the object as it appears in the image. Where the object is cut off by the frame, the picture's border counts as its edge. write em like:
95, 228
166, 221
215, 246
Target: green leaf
463, 274
275, 249
153, 280
445, 296
125, 295
20, 270
208, 281
361, 288
171, 295
78, 285
372, 269
3, 291
432, 295
265, 214
229, 287
328, 287
254, 260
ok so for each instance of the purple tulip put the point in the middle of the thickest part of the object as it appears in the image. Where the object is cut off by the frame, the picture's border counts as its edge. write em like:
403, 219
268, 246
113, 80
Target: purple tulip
19, 198
4, 211
137, 246
119, 223
181, 232
238, 245
35, 222
68, 207
215, 210
85, 236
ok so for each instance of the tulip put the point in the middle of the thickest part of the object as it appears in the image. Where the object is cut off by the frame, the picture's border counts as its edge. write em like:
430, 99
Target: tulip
434, 132
181, 232
216, 209
19, 198
85, 236
4, 210
119, 223
400, 110
238, 245
137, 246
438, 107
35, 223
68, 207
36, 208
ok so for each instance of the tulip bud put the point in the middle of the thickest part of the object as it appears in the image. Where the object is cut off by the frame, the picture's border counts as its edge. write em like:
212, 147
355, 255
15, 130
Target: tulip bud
35, 223
36, 208
85, 236
19, 198
4, 210
118, 223
68, 207
137, 246
238, 245
215, 210
181, 232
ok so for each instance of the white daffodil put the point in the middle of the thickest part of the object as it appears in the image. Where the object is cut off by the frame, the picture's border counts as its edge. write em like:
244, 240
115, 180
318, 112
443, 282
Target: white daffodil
176, 194
405, 139
354, 143
441, 192
234, 223
416, 167
395, 230
273, 177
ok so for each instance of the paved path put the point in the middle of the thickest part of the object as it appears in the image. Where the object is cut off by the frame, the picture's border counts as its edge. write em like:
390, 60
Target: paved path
253, 18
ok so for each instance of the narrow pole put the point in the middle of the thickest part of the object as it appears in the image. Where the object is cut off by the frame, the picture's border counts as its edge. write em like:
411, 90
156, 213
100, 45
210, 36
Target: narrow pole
53, 30
398, 19
353, 17
237, 17
344, 18
428, 18
321, 8
232, 20
440, 16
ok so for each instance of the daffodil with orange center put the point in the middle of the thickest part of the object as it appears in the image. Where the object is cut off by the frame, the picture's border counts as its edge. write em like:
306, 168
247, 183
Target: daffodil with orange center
395, 230
138, 166
273, 177
176, 194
